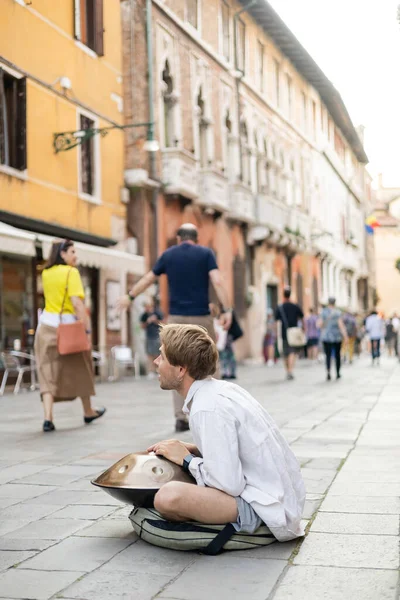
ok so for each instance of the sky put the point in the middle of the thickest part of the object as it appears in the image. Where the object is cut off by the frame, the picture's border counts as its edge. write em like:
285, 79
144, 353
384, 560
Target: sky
357, 45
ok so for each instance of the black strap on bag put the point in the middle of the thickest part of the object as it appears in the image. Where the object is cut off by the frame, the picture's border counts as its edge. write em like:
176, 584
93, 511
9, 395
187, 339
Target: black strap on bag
284, 317
217, 544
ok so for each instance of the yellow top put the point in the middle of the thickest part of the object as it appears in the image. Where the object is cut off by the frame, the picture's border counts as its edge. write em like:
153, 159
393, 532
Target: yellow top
54, 282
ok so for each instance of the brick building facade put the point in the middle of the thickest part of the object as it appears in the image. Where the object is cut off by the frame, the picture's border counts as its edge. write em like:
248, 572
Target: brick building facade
244, 118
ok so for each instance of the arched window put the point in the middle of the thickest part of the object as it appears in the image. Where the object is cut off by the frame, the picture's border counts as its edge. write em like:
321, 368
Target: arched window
229, 150
168, 104
203, 153
246, 168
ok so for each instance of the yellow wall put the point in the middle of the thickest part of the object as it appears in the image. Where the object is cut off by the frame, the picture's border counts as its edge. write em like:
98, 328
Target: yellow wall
387, 251
38, 40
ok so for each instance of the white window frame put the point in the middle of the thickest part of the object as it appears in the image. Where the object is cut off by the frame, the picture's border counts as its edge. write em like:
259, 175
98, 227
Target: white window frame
96, 197
192, 27
221, 31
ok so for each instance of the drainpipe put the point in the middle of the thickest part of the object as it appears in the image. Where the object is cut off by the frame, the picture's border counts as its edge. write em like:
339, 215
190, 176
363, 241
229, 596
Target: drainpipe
239, 79
150, 129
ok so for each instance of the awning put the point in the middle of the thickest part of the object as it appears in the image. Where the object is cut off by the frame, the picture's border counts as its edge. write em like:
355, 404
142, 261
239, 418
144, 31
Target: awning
101, 258
16, 241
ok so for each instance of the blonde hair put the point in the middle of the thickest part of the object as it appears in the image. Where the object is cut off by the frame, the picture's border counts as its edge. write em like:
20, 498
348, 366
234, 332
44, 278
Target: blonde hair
190, 346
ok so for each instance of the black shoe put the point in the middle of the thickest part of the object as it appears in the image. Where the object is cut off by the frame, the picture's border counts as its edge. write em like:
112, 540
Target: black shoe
100, 412
48, 426
338, 376
181, 425
290, 377
328, 377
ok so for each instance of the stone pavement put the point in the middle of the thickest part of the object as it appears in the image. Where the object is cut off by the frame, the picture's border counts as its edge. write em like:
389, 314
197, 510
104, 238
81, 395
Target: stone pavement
62, 538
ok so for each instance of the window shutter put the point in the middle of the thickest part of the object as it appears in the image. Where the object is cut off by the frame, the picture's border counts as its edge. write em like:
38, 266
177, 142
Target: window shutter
77, 19
21, 125
3, 118
99, 28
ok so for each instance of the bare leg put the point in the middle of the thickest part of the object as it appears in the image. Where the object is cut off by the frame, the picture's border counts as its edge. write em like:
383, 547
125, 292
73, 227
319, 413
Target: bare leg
48, 402
88, 411
290, 362
186, 502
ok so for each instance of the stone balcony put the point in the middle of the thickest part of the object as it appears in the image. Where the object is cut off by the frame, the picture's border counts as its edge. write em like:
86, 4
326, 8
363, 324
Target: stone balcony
214, 190
300, 222
179, 173
272, 213
241, 203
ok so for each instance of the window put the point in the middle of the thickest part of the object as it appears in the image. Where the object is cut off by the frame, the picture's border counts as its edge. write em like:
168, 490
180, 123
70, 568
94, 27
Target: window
89, 27
304, 111
277, 73
314, 119
192, 14
246, 165
260, 52
225, 30
289, 95
203, 125
168, 106
241, 45
229, 167
12, 121
339, 145
88, 159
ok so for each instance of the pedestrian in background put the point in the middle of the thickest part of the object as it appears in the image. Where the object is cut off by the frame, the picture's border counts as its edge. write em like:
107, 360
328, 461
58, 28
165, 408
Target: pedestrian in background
390, 337
63, 377
350, 324
289, 315
396, 329
189, 268
270, 339
150, 322
375, 327
312, 334
333, 333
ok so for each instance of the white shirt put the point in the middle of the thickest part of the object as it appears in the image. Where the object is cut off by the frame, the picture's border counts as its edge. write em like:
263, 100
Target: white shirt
53, 319
244, 454
375, 327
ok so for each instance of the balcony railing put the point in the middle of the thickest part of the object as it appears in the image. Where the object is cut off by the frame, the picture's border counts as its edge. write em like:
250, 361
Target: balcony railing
179, 173
214, 189
242, 203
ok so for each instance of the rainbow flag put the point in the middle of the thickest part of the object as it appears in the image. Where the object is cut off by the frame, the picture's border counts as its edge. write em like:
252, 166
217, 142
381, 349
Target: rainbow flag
370, 223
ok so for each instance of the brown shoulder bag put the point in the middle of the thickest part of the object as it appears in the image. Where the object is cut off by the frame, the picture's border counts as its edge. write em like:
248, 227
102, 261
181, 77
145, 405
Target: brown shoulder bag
71, 337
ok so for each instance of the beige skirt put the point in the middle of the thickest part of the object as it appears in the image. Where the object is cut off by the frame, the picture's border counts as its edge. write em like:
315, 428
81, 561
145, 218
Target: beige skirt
65, 377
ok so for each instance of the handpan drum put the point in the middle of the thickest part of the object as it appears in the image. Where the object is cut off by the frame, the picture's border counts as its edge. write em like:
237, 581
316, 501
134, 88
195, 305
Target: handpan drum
136, 478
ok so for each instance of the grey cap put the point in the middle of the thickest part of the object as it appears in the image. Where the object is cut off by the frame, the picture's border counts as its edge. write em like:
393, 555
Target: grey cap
331, 300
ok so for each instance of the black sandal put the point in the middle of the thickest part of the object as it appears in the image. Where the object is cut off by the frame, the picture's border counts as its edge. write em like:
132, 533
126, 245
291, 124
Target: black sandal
48, 426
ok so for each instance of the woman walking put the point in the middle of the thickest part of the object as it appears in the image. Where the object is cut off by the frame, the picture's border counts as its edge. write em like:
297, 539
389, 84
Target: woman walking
63, 377
375, 327
269, 339
333, 333
312, 334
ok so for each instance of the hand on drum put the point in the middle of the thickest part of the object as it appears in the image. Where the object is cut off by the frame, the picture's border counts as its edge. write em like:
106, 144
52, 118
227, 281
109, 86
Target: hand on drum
173, 450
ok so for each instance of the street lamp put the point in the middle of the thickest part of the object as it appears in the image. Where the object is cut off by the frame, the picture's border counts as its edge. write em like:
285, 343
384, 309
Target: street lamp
66, 140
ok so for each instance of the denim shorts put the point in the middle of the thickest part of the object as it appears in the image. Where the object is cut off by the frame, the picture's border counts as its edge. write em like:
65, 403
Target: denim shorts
248, 520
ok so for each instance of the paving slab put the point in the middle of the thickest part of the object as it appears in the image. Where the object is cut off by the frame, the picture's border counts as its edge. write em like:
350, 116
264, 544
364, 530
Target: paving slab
23, 544
354, 523
35, 585
15, 490
48, 529
15, 472
330, 583
144, 558
27, 512
83, 511
357, 488
361, 504
88, 553
343, 550
237, 578
11, 558
114, 528
106, 585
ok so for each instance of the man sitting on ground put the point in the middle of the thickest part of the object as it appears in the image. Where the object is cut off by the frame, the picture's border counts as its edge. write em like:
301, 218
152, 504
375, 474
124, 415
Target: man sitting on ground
246, 473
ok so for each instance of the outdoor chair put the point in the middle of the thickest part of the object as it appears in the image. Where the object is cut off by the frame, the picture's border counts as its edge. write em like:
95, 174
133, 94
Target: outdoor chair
99, 364
122, 356
12, 364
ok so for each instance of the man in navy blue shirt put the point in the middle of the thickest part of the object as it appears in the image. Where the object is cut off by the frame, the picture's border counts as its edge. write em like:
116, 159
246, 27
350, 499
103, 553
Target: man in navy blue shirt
189, 268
